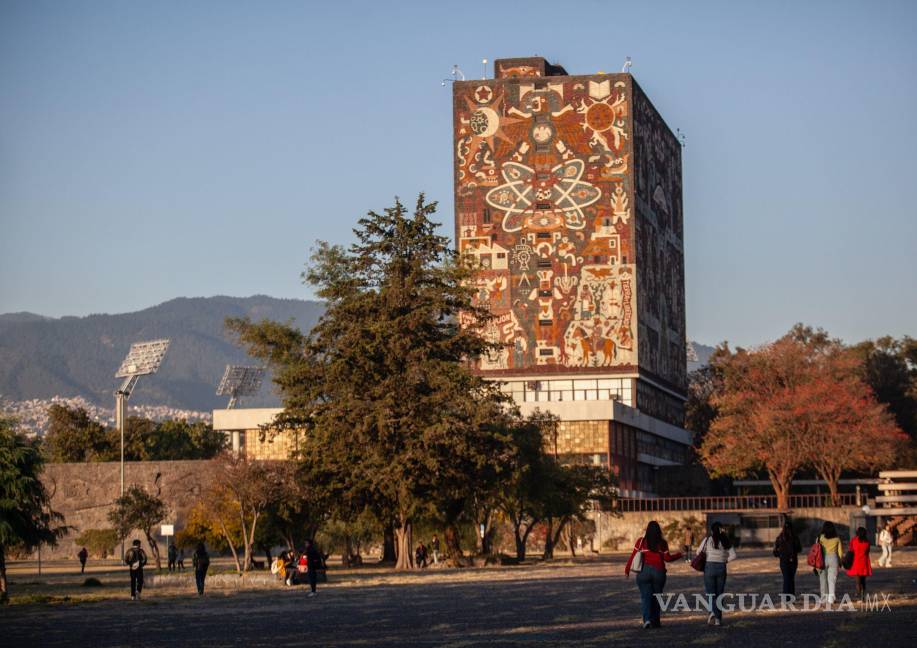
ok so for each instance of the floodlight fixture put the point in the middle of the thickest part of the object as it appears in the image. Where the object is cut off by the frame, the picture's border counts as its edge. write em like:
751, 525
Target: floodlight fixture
143, 359
240, 381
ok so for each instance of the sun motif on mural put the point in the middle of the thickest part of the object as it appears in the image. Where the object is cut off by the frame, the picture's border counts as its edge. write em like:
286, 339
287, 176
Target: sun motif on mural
485, 124
527, 196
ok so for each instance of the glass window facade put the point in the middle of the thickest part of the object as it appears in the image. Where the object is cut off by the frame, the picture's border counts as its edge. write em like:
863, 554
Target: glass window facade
543, 391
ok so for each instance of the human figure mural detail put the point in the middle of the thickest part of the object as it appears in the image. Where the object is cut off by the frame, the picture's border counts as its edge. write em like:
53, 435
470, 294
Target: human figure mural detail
543, 203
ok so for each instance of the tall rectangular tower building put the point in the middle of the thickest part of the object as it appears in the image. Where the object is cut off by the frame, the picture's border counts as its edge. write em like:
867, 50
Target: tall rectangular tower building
568, 193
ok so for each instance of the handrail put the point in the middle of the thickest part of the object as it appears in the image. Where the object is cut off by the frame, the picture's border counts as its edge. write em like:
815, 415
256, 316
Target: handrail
730, 502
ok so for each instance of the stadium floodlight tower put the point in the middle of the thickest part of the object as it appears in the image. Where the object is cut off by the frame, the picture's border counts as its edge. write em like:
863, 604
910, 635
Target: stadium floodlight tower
143, 359
239, 381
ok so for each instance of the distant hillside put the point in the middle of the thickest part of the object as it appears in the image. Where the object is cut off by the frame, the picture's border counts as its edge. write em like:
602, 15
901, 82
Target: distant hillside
77, 356
698, 355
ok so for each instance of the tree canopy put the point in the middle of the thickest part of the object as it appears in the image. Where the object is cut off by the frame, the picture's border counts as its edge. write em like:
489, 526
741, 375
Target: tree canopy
26, 519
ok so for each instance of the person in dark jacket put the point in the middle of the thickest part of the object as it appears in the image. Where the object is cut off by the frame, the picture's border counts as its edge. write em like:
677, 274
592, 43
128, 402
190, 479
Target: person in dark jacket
173, 555
200, 560
313, 565
787, 548
83, 555
136, 559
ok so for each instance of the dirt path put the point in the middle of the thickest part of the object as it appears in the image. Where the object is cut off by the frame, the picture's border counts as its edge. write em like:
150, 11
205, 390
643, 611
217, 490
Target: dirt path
582, 604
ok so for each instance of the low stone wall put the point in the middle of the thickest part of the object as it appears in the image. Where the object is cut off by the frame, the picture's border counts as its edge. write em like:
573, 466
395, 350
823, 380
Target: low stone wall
621, 532
84, 493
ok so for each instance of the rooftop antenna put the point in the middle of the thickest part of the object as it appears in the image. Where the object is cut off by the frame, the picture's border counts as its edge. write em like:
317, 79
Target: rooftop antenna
680, 137
239, 381
484, 70
627, 64
456, 73
143, 359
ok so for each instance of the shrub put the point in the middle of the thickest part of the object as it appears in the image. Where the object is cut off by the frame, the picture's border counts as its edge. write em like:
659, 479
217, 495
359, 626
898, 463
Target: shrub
99, 542
92, 582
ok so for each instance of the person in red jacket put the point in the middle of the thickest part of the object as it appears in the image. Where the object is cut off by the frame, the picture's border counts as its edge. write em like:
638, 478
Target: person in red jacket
651, 577
861, 567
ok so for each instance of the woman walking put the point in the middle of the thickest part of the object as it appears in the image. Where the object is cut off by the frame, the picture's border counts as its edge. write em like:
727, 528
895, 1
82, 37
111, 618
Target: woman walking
200, 560
719, 550
654, 554
787, 548
861, 567
885, 542
833, 552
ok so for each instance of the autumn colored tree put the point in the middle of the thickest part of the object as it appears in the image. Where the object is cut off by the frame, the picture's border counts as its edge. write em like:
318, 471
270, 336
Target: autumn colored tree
848, 428
760, 422
248, 487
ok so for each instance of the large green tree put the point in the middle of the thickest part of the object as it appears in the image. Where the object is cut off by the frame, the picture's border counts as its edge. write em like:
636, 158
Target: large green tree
26, 519
73, 436
382, 382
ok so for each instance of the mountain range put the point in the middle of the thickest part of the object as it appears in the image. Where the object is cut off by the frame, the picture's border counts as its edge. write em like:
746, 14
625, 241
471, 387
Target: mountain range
43, 357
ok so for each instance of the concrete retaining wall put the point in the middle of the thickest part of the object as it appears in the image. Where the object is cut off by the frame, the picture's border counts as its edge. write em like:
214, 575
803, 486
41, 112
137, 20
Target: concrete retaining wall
621, 532
84, 494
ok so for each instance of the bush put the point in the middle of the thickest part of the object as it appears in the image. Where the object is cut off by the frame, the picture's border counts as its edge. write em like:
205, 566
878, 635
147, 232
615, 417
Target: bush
92, 582
99, 542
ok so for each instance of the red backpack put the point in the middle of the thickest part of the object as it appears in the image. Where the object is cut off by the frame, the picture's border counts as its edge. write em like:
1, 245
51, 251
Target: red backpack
816, 557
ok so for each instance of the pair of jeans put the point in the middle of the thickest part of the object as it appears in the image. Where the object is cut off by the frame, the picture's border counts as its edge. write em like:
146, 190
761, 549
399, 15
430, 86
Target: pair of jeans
788, 569
827, 577
715, 585
885, 560
199, 576
650, 581
136, 581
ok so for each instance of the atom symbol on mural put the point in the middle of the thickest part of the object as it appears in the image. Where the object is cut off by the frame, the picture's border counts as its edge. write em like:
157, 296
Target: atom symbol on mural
564, 190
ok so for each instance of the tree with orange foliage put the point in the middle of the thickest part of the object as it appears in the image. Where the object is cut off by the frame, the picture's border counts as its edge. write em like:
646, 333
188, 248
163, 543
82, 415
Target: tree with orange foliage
797, 402
758, 425
848, 428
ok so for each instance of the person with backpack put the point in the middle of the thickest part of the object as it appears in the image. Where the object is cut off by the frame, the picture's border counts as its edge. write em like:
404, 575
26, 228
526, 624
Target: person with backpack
83, 555
135, 558
717, 550
647, 560
832, 552
200, 560
885, 542
860, 566
787, 548
313, 565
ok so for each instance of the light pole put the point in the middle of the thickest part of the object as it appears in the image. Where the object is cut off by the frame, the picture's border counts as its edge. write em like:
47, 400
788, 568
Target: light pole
144, 358
239, 381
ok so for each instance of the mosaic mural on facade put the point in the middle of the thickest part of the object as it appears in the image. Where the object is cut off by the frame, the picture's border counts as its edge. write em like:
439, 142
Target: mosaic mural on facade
660, 245
544, 205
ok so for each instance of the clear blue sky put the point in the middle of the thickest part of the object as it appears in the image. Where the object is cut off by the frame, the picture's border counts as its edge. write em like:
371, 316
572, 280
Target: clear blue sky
162, 149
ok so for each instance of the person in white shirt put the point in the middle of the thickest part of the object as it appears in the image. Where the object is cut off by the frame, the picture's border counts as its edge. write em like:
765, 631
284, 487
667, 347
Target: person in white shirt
886, 540
719, 550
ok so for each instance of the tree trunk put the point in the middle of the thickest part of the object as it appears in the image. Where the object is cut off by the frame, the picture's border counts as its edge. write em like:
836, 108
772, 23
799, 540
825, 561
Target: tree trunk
232, 546
453, 546
523, 539
348, 551
832, 478
487, 542
250, 541
154, 548
4, 594
404, 542
571, 539
548, 540
388, 544
781, 485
